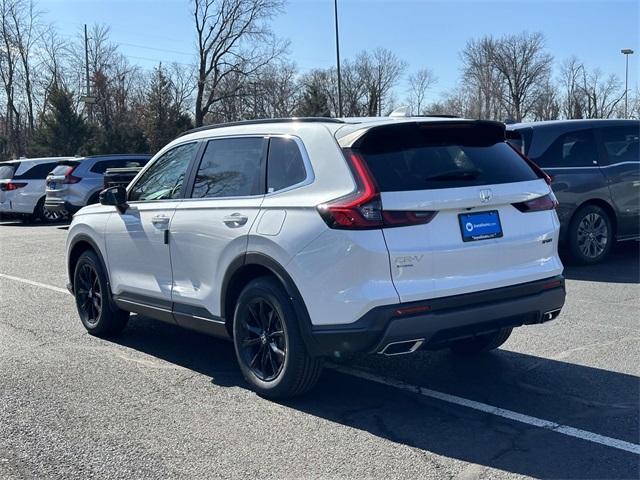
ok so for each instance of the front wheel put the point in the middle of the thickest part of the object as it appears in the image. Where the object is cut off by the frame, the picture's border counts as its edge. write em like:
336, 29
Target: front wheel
481, 343
269, 347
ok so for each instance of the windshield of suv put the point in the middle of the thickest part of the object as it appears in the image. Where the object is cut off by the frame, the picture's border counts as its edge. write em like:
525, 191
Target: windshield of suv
442, 157
6, 171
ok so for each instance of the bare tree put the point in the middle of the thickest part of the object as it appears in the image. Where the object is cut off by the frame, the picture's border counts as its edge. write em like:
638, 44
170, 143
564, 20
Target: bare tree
419, 83
546, 105
524, 69
602, 94
233, 39
379, 72
9, 64
482, 80
571, 73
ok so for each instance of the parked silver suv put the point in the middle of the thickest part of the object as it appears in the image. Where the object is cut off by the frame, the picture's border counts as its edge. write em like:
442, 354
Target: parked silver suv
76, 183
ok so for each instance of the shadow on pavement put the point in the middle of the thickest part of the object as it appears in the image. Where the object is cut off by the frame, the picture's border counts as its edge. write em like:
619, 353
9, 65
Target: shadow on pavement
622, 266
591, 399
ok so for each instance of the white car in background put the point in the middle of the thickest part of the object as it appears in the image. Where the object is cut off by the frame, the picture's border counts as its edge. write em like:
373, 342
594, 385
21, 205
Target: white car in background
23, 185
304, 239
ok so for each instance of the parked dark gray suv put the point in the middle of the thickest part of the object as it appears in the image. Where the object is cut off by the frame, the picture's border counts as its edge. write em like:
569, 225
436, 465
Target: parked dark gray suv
595, 168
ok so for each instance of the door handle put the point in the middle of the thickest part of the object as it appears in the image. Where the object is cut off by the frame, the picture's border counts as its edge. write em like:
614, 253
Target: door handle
160, 221
235, 220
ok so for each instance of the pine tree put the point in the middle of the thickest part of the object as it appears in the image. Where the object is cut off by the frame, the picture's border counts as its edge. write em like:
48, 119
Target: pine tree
163, 120
62, 131
314, 103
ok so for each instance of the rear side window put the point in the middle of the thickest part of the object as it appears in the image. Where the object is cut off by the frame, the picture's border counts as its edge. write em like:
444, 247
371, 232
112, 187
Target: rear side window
285, 166
37, 172
572, 149
6, 171
621, 144
444, 157
102, 165
230, 167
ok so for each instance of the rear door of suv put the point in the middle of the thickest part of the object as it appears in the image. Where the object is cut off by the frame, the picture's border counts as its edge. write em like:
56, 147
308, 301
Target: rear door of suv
482, 217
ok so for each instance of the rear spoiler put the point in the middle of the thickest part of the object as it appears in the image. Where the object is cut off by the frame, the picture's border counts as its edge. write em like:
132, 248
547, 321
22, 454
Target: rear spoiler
473, 132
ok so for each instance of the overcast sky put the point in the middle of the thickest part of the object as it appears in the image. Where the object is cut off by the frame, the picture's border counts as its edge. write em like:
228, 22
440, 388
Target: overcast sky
425, 33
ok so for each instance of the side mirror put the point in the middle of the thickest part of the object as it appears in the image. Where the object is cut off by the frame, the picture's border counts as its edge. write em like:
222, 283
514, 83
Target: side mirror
115, 196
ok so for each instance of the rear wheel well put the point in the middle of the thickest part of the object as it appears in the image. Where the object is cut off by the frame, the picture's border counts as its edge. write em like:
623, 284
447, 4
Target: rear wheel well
606, 207
236, 284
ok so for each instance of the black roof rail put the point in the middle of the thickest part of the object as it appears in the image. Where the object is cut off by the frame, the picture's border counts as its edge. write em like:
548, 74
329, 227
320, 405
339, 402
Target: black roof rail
264, 120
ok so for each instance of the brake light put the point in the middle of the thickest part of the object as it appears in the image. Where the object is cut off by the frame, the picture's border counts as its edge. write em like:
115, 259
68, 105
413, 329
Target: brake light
546, 202
362, 209
10, 186
69, 178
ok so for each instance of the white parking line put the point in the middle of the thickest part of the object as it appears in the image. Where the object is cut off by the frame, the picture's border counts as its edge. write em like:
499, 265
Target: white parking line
35, 284
500, 412
446, 397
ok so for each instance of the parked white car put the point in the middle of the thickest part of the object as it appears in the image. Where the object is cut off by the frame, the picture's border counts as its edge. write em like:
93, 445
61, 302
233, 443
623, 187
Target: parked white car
22, 187
313, 238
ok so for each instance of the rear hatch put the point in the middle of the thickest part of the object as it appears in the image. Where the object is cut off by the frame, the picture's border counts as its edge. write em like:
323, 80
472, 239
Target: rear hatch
60, 177
7, 171
471, 213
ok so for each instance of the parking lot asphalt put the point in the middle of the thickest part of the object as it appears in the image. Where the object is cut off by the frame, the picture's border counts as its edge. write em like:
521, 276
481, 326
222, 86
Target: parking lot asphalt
559, 400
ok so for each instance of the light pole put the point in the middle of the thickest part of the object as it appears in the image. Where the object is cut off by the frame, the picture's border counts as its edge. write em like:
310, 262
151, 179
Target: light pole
335, 11
626, 52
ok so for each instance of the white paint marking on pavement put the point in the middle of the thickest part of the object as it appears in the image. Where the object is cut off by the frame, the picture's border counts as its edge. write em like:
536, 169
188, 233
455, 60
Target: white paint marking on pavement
500, 412
35, 284
446, 397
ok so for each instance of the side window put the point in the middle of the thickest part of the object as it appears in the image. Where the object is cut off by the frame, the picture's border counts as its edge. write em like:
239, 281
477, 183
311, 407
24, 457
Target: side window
285, 166
103, 165
164, 179
37, 172
621, 144
572, 149
230, 167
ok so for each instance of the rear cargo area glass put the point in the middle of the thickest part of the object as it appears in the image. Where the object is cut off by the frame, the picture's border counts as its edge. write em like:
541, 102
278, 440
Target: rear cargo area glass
6, 171
415, 157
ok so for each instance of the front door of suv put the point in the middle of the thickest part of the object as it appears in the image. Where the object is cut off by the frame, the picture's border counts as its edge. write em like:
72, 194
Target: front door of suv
211, 226
137, 239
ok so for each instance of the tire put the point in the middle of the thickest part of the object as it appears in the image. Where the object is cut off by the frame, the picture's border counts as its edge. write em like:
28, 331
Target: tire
590, 235
481, 343
44, 215
98, 314
268, 343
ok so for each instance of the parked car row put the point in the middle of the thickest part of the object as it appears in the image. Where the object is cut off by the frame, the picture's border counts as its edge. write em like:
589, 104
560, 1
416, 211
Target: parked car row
49, 189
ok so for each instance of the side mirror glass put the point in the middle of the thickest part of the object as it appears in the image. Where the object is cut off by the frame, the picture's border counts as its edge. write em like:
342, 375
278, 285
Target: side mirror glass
115, 196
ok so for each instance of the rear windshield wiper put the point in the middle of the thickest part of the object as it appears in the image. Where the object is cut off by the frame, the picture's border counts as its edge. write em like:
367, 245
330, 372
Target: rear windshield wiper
458, 174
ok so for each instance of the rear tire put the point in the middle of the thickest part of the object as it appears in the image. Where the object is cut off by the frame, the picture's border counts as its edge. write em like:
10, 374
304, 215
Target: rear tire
481, 343
97, 312
269, 346
590, 235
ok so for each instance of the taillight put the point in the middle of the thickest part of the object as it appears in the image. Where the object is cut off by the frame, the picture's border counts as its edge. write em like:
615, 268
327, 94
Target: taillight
9, 186
362, 209
69, 178
546, 202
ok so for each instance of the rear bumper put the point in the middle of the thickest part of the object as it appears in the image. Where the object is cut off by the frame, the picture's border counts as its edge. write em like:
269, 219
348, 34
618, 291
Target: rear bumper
443, 320
60, 206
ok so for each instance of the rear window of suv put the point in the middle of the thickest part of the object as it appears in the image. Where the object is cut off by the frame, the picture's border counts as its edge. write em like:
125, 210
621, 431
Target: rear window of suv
413, 157
6, 171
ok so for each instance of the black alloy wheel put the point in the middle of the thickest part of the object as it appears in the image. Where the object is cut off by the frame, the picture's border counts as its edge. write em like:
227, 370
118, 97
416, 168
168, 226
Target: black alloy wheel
262, 340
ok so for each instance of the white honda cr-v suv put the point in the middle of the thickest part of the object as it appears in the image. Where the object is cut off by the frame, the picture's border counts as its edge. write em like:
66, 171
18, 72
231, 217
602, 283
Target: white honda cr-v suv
305, 239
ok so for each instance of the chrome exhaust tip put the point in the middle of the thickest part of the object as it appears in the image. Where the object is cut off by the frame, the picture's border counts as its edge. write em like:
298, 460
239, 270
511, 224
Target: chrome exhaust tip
401, 348
550, 315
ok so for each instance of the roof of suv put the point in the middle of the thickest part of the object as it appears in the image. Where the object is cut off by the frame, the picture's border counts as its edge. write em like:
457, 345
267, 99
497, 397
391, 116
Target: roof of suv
574, 122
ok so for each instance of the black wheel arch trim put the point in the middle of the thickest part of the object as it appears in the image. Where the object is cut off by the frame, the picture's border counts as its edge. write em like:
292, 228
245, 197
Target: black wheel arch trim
262, 260
84, 238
